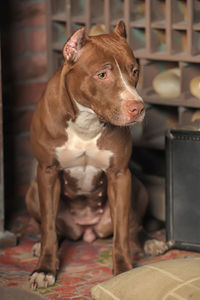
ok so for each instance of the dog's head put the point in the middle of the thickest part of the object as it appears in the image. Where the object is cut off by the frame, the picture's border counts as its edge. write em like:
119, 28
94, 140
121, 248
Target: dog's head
103, 74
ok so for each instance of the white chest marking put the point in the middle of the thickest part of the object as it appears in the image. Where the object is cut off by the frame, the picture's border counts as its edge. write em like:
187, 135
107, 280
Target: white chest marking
77, 152
80, 155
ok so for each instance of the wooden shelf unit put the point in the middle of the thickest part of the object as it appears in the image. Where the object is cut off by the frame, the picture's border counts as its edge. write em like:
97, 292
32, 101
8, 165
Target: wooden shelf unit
163, 34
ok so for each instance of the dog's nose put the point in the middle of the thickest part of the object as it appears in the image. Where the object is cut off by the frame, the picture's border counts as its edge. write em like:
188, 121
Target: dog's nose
134, 108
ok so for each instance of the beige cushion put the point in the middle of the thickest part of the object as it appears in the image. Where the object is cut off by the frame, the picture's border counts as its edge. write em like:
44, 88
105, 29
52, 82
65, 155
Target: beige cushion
168, 280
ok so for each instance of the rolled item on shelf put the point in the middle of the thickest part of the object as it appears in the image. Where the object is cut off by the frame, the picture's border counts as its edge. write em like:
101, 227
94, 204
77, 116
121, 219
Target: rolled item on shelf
195, 87
167, 83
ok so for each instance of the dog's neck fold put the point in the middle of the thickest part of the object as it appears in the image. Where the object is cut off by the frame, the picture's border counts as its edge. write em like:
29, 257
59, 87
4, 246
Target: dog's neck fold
86, 125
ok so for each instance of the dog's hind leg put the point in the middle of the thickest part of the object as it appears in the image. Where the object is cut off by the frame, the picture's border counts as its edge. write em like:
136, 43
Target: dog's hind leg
32, 202
137, 233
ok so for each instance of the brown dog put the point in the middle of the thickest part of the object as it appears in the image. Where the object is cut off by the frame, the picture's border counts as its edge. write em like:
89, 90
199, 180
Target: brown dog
81, 139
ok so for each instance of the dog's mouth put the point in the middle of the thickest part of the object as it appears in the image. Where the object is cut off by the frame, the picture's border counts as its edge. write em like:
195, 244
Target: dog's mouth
122, 122
137, 120
103, 120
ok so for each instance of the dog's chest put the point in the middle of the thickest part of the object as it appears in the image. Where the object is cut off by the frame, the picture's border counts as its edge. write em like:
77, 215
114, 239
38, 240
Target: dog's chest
83, 159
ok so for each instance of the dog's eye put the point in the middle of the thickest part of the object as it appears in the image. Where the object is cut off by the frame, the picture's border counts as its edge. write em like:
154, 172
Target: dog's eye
102, 75
135, 72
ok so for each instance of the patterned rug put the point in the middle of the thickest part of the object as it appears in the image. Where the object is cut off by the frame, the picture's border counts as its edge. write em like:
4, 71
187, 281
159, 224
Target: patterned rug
82, 265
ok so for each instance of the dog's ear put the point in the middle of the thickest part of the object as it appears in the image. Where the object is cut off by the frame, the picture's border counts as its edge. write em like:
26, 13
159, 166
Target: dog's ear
72, 48
120, 29
64, 95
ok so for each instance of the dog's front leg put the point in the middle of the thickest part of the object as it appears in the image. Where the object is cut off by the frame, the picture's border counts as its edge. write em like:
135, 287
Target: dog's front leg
119, 194
49, 194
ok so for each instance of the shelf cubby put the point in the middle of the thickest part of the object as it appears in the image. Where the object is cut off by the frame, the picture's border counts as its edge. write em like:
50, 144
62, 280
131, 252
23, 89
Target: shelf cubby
138, 38
188, 117
137, 12
154, 67
116, 11
197, 13
179, 12
58, 9
78, 10
158, 11
158, 41
196, 45
179, 42
97, 12
150, 69
189, 71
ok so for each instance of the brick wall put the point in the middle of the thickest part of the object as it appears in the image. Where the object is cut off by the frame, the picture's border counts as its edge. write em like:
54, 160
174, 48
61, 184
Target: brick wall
25, 75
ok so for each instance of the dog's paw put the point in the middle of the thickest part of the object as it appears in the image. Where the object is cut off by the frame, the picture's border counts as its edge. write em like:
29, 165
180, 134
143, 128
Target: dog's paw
36, 249
155, 247
41, 280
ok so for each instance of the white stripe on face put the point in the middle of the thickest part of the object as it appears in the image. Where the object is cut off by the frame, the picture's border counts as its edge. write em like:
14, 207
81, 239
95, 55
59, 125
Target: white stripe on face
128, 89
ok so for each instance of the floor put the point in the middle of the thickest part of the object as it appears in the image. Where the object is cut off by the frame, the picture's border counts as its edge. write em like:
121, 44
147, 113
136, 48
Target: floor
82, 265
